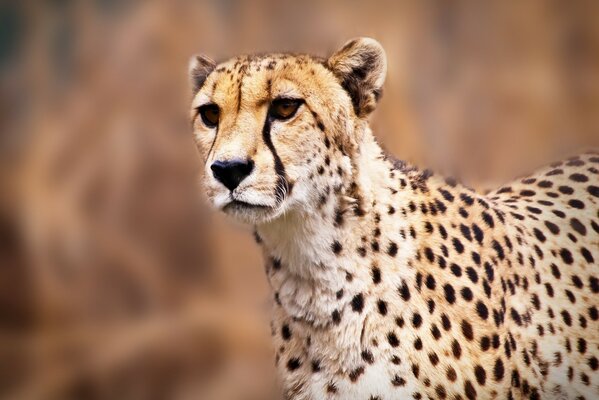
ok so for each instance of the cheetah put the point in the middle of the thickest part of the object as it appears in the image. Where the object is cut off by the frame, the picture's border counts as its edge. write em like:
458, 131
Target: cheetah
391, 282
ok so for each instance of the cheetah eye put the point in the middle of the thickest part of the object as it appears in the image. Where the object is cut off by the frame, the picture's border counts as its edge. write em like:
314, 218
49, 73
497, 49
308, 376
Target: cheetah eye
284, 108
210, 114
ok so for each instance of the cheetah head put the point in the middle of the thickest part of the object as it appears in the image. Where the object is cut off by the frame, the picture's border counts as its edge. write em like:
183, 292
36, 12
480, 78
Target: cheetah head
278, 132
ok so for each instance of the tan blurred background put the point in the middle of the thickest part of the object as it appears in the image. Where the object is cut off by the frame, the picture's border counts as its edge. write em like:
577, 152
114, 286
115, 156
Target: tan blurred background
116, 281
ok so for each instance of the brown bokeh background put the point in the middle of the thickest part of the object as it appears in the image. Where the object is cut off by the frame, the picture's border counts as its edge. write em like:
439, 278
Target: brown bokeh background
116, 281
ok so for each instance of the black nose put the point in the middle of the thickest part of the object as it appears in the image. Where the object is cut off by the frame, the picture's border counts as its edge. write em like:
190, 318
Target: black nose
231, 173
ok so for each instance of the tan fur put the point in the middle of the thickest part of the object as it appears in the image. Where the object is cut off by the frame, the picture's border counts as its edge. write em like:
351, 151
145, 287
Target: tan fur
389, 282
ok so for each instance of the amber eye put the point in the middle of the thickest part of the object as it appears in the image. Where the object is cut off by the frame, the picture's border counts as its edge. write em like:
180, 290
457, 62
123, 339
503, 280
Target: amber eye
284, 108
210, 114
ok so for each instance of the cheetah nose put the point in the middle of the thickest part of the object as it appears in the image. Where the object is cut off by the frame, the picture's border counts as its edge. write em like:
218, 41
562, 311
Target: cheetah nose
231, 172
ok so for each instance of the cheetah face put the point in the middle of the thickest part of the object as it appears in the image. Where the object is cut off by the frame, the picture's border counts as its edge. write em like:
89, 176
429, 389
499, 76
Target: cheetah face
268, 126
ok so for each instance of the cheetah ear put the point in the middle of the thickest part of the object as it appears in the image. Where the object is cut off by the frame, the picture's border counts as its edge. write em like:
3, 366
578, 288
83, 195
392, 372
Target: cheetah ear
199, 68
361, 66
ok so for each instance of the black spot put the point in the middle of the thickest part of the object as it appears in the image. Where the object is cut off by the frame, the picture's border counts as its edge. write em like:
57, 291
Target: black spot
442, 262
579, 177
456, 349
435, 332
566, 256
446, 195
355, 374
357, 303
458, 246
466, 294
293, 364
582, 345
286, 332
478, 233
498, 370
404, 291
481, 310
559, 213
336, 246
441, 392
443, 232
553, 172
456, 270
498, 249
485, 343
376, 275
593, 190
472, 274
469, 390
331, 387
467, 330
398, 381
578, 226
416, 320
555, 271
418, 344
566, 317
445, 322
534, 210
594, 313
540, 236
336, 315
430, 256
451, 374
466, 199
431, 306
315, 366
392, 249
430, 282
392, 339
367, 356
489, 271
574, 203
565, 190
449, 293
587, 255
488, 218
465, 232
382, 307
480, 374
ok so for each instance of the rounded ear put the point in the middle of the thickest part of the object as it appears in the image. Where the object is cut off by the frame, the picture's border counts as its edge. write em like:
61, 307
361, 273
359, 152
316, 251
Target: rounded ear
361, 66
199, 68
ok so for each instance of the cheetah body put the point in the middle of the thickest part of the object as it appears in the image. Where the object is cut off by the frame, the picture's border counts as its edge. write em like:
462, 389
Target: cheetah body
394, 283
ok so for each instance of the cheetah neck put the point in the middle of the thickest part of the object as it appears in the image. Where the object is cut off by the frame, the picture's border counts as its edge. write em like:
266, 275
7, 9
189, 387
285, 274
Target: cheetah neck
315, 260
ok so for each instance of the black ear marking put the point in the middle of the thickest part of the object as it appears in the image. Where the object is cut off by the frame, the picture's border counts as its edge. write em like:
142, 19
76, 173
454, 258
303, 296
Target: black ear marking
360, 65
199, 68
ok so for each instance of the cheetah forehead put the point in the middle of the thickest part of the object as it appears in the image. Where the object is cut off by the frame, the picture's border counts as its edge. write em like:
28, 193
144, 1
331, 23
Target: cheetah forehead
257, 72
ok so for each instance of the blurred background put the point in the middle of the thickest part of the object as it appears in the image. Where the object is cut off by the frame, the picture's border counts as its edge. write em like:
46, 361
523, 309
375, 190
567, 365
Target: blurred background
116, 281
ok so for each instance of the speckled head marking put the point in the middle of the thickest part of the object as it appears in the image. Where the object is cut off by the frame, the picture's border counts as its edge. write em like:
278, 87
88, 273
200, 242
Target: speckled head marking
264, 122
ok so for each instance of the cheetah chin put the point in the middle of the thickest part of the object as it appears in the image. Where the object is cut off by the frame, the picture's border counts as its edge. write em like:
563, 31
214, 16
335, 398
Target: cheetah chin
390, 282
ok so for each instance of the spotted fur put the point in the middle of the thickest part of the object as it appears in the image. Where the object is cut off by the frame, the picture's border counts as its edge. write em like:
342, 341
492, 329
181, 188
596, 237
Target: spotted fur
390, 282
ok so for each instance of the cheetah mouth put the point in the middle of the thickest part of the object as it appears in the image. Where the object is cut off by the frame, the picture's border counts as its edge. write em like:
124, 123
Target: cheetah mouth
239, 205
